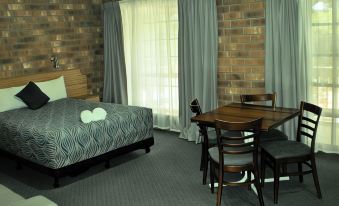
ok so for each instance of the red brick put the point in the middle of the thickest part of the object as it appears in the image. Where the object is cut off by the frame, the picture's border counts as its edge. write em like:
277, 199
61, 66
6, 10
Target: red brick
241, 48
32, 31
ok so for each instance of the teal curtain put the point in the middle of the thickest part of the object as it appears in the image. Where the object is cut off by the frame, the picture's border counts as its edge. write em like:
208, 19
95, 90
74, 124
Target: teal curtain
198, 51
287, 59
115, 80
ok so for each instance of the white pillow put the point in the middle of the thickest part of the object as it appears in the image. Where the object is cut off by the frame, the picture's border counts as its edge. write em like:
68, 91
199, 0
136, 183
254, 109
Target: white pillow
9, 101
55, 89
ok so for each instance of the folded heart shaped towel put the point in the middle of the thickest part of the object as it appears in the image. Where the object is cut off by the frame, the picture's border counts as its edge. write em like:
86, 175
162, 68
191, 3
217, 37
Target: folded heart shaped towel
97, 114
86, 116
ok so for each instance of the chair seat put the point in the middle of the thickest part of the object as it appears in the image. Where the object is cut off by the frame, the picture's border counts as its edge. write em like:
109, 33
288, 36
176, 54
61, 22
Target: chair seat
285, 149
230, 159
272, 135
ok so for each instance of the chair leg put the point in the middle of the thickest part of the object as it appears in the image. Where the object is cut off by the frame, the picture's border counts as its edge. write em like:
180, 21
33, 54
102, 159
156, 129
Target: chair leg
258, 187
202, 156
248, 179
212, 169
263, 168
206, 158
300, 170
315, 177
220, 184
276, 181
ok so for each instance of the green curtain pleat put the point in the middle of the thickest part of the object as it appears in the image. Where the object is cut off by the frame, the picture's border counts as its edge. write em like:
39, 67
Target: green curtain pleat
287, 48
198, 51
115, 80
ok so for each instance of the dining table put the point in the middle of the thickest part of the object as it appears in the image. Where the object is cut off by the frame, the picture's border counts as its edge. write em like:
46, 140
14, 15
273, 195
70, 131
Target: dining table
272, 117
238, 112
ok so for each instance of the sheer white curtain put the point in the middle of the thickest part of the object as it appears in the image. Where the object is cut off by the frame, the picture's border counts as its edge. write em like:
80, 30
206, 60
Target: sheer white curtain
151, 50
325, 73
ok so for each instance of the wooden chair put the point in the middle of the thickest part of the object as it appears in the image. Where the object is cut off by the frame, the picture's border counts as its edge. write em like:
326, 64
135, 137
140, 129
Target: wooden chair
279, 153
235, 157
196, 109
206, 142
209, 139
272, 134
255, 98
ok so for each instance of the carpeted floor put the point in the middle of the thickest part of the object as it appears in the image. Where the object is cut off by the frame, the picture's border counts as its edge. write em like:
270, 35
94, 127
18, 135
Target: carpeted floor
169, 175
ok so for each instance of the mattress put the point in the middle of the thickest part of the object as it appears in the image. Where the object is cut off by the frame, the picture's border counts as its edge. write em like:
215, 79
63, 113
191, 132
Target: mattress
55, 137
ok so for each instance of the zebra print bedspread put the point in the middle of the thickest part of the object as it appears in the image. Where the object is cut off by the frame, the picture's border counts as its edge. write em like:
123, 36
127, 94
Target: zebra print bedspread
54, 136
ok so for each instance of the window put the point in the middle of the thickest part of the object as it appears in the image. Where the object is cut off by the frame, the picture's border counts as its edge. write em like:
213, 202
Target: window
325, 78
151, 51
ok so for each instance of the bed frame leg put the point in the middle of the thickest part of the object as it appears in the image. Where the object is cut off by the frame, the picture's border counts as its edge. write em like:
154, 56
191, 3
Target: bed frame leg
107, 164
56, 182
147, 149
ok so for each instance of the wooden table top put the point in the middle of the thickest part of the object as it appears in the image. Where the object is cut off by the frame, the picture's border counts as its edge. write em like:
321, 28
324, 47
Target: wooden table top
237, 112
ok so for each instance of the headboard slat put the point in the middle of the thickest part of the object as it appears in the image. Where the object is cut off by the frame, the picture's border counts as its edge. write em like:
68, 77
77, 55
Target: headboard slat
76, 83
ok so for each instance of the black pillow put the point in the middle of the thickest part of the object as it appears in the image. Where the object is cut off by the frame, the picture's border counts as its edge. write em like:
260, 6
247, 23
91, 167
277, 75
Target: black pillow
33, 97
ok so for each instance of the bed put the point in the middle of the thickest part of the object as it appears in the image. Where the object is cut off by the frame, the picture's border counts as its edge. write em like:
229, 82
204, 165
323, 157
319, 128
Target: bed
54, 140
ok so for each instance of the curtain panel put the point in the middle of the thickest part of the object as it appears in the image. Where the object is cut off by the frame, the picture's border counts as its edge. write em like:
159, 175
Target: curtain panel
198, 51
151, 50
287, 59
115, 81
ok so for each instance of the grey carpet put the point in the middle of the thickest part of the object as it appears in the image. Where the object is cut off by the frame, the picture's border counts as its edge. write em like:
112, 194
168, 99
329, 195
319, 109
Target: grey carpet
168, 175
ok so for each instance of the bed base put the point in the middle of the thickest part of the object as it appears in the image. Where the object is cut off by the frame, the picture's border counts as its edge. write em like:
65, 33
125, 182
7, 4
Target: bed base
79, 166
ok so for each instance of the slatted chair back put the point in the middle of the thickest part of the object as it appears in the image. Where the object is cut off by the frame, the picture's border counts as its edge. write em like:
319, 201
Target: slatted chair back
308, 122
238, 145
247, 98
195, 107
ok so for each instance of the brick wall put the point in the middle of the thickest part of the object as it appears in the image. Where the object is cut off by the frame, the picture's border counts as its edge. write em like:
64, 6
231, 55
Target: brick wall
241, 48
31, 31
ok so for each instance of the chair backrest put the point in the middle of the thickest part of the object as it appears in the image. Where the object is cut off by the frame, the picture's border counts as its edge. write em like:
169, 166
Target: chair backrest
246, 98
195, 107
238, 145
308, 122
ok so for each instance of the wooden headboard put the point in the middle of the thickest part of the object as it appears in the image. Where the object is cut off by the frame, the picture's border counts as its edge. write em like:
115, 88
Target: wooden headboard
76, 83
